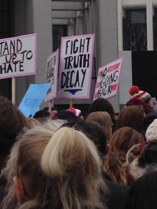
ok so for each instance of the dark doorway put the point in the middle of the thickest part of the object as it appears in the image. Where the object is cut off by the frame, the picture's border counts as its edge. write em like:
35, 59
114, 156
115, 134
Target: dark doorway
6, 30
144, 71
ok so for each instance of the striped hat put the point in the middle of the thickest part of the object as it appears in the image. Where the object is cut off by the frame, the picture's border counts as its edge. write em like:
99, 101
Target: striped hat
135, 92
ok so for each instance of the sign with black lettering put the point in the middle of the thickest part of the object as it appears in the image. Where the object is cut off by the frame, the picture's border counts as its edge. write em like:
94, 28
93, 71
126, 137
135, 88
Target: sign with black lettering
52, 74
18, 56
108, 80
76, 59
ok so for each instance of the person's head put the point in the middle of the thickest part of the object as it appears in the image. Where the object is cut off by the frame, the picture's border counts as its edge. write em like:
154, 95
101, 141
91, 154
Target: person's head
136, 93
42, 115
146, 160
104, 119
148, 119
151, 132
76, 112
11, 124
114, 169
131, 116
35, 139
93, 131
142, 193
122, 140
102, 104
32, 122
56, 170
139, 102
65, 115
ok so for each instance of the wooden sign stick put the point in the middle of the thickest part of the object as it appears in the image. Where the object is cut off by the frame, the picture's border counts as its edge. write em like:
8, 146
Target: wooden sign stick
71, 104
13, 90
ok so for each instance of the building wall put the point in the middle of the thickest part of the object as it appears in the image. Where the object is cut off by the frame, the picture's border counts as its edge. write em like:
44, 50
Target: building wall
127, 73
98, 16
104, 18
106, 32
33, 16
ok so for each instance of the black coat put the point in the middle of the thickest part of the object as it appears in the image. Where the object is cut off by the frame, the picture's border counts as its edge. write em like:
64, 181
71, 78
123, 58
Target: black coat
118, 194
2, 188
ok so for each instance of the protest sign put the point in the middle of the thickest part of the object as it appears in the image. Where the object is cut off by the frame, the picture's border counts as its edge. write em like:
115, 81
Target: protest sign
18, 56
108, 79
76, 59
51, 75
33, 98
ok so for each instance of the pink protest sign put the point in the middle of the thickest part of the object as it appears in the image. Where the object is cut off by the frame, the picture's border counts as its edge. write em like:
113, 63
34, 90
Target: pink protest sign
18, 56
108, 80
76, 59
51, 75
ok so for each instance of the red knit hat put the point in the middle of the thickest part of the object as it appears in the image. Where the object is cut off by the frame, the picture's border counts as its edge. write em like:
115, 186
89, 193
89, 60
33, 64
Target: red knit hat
135, 92
139, 102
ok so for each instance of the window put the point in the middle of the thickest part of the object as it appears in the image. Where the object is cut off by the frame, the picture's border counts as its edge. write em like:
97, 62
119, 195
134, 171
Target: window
134, 30
155, 28
58, 32
5, 27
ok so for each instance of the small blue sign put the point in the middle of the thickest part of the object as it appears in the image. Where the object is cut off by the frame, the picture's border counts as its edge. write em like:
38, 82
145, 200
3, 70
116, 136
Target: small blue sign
33, 98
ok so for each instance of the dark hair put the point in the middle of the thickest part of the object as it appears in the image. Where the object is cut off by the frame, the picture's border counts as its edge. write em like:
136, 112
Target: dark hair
148, 154
42, 113
142, 193
93, 131
148, 119
102, 104
131, 116
65, 115
12, 121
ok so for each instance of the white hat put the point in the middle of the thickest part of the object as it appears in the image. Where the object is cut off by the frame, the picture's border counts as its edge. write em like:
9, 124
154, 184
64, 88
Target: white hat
151, 132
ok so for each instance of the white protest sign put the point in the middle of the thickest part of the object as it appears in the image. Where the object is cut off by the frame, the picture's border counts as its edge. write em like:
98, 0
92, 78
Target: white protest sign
108, 80
76, 59
52, 74
18, 56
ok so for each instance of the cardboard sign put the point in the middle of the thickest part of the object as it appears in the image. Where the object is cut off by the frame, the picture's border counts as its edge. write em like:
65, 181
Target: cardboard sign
18, 56
33, 98
51, 75
76, 59
108, 80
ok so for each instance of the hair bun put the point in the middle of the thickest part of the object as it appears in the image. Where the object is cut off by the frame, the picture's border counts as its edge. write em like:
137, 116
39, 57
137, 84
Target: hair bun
133, 90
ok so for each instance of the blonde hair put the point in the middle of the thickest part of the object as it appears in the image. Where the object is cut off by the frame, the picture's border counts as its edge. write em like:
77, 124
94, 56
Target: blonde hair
32, 122
26, 152
72, 159
103, 119
114, 169
57, 168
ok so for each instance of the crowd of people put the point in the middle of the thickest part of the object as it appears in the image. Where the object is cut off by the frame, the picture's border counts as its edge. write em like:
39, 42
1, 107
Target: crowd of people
66, 160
